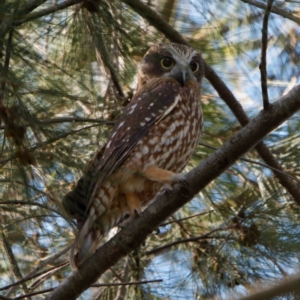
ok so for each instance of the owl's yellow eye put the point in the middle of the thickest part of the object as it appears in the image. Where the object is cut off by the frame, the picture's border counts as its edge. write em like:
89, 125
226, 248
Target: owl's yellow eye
167, 63
194, 66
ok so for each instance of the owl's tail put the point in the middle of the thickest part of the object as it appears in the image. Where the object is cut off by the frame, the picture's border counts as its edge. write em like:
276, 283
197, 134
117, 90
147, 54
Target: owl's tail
86, 242
75, 204
92, 232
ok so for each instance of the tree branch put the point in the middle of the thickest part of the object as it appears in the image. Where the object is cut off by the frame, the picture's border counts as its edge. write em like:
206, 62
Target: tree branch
288, 285
67, 120
186, 218
275, 10
126, 283
8, 21
263, 63
256, 163
166, 204
47, 142
27, 277
45, 12
191, 239
224, 92
13, 262
103, 53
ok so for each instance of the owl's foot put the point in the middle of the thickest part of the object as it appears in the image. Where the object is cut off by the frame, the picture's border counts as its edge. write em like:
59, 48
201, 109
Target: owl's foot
134, 209
127, 218
176, 178
168, 177
180, 178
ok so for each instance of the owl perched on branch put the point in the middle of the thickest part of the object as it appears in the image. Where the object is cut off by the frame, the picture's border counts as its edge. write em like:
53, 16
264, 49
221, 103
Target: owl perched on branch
149, 146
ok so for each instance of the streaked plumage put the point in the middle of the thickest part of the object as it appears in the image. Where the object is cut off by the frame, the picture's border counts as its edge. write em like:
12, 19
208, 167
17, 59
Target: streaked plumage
150, 144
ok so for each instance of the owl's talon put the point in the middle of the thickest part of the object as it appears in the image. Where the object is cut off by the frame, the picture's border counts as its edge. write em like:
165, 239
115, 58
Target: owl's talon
178, 178
168, 188
185, 183
127, 216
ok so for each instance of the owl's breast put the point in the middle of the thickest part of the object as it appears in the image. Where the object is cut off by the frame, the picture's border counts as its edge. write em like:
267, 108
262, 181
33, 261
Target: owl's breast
171, 142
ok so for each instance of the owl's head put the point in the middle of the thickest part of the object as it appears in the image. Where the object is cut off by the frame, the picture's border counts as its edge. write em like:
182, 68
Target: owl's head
171, 60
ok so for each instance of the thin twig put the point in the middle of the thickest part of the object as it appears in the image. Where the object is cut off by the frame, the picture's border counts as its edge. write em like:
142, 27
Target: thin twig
47, 142
275, 10
94, 285
46, 11
103, 53
122, 290
26, 278
255, 163
183, 241
29, 203
13, 262
35, 271
68, 120
263, 63
7, 23
187, 218
45, 275
33, 294
7, 59
126, 283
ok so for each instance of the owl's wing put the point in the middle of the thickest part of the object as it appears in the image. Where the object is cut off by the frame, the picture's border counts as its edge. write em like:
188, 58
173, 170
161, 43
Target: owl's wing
148, 106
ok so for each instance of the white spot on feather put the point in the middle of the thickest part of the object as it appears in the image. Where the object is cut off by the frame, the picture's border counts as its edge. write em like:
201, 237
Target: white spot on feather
154, 140
133, 106
145, 150
121, 124
101, 193
138, 154
105, 201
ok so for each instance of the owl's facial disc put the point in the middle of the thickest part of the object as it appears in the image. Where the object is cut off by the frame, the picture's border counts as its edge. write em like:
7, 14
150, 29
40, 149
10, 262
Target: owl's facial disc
179, 62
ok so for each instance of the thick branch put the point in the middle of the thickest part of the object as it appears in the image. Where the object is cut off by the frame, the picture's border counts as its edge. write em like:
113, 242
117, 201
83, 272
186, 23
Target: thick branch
138, 230
159, 23
288, 285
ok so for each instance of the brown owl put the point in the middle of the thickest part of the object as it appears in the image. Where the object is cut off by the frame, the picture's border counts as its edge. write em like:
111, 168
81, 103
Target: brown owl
149, 146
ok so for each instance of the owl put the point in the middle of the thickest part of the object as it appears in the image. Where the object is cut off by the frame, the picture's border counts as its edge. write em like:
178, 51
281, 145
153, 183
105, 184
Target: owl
146, 151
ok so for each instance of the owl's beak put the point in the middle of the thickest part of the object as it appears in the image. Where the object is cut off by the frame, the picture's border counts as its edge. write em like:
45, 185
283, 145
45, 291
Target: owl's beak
183, 76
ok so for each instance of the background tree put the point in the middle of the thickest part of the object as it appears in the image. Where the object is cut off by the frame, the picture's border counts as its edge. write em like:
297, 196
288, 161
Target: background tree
67, 70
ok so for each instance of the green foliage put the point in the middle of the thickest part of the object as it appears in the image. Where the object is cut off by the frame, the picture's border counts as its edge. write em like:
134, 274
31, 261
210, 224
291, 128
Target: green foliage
65, 77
